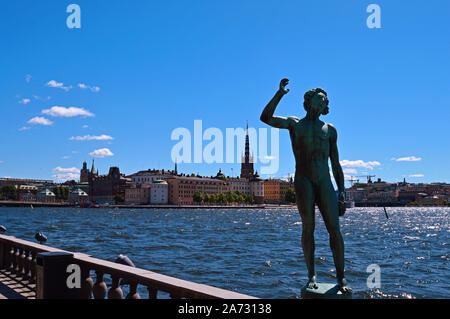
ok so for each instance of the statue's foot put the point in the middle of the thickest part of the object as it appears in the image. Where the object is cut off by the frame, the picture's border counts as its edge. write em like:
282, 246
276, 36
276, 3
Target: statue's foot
312, 283
344, 286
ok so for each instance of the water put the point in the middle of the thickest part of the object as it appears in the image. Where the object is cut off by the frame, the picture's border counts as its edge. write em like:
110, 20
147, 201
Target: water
256, 251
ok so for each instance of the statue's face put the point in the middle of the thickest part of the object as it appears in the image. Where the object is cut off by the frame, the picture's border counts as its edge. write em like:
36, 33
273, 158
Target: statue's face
319, 104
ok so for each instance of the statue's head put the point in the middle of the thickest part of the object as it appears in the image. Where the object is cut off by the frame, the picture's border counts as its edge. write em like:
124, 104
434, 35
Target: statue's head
316, 101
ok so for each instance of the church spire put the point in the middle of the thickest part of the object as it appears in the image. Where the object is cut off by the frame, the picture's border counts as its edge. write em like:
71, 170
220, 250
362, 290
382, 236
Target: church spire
93, 167
247, 146
247, 161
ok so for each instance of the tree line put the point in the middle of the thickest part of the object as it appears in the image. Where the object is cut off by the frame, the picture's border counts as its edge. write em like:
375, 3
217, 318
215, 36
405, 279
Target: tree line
223, 198
11, 192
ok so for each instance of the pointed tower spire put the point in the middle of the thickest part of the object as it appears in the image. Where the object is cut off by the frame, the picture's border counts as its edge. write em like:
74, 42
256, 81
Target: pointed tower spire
93, 167
247, 146
176, 167
247, 163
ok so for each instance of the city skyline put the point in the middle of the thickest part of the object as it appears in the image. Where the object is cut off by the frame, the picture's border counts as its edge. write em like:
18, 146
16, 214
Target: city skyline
115, 89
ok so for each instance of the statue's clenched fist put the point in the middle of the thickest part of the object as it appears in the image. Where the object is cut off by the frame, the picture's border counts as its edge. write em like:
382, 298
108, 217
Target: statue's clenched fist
283, 84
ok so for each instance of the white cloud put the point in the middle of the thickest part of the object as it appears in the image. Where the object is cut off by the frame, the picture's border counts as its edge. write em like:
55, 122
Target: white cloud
66, 157
24, 101
37, 97
416, 175
24, 128
40, 121
92, 88
59, 85
349, 171
66, 177
85, 126
102, 137
65, 174
407, 159
67, 111
60, 169
103, 152
1, 162
360, 163
28, 78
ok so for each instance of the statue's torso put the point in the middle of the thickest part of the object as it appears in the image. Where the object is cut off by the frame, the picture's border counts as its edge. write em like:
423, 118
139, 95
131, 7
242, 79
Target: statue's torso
311, 145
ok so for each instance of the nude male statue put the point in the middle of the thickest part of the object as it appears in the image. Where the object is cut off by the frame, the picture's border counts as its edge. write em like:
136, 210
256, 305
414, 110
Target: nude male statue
313, 142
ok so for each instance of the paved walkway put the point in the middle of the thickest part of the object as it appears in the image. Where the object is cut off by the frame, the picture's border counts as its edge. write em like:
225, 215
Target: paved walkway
12, 288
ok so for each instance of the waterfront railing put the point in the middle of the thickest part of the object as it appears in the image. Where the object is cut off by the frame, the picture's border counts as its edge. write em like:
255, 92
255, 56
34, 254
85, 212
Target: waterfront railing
43, 270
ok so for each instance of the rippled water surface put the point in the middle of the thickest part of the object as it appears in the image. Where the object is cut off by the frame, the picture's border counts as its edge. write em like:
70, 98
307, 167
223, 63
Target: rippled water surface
255, 251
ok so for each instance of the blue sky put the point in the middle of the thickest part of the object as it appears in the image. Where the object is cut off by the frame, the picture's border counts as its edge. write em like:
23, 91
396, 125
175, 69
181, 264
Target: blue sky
148, 67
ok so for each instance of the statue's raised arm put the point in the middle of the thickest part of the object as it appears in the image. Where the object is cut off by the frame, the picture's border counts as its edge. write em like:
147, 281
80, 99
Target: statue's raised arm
267, 114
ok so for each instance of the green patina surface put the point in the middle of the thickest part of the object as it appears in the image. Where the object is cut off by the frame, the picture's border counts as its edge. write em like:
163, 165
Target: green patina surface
314, 144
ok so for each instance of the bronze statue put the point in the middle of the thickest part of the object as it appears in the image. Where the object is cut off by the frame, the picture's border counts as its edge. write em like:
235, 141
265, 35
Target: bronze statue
313, 142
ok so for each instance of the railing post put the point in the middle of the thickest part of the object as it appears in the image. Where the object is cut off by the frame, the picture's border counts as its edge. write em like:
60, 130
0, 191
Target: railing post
32, 259
115, 292
99, 290
87, 284
17, 268
23, 259
51, 276
26, 264
12, 259
133, 291
152, 293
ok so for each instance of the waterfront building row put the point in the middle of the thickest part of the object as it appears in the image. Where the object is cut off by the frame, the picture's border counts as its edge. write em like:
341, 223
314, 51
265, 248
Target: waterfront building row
403, 193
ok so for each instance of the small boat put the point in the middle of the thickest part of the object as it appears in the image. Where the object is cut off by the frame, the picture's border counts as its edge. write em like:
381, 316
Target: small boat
86, 205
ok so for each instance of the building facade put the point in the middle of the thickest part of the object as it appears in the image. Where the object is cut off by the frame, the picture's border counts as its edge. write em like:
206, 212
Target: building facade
159, 192
78, 196
137, 194
257, 188
182, 188
104, 189
46, 196
275, 191
84, 173
148, 176
239, 185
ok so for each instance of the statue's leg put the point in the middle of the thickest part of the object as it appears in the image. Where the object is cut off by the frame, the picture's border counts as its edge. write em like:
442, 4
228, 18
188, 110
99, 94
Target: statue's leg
305, 203
327, 202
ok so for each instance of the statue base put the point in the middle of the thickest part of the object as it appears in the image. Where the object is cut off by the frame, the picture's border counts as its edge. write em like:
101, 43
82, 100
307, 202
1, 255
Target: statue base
325, 291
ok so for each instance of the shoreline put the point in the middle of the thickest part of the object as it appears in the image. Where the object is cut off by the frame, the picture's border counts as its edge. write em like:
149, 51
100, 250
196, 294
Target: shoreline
168, 206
